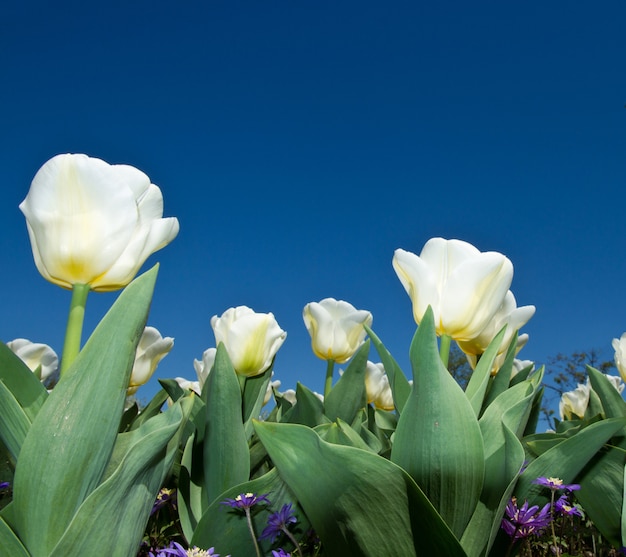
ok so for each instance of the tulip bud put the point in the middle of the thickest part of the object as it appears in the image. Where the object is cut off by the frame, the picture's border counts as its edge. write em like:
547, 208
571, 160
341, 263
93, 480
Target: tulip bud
152, 348
574, 403
377, 387
36, 356
251, 339
619, 345
94, 223
463, 286
203, 367
336, 328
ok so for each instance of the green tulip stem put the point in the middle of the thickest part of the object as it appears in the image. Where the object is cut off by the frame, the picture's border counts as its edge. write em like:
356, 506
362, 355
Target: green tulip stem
251, 529
444, 349
328, 384
74, 330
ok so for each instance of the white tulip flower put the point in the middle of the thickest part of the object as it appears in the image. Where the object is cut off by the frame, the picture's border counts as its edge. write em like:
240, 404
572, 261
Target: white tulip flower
93, 223
508, 314
203, 367
619, 345
251, 339
377, 387
151, 349
464, 287
336, 328
574, 403
36, 356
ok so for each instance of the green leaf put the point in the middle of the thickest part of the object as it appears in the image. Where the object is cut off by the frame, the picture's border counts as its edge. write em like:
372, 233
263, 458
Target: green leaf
10, 544
479, 380
14, 423
612, 402
113, 518
253, 397
502, 379
308, 410
361, 504
438, 439
340, 433
501, 425
348, 395
70, 441
602, 492
565, 460
22, 382
226, 459
400, 386
192, 500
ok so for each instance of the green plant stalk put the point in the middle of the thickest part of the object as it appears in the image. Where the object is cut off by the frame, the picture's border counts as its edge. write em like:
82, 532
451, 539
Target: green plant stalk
74, 329
251, 528
444, 349
328, 384
293, 540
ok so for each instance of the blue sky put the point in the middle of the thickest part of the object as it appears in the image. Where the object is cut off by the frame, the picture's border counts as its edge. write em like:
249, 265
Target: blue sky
300, 143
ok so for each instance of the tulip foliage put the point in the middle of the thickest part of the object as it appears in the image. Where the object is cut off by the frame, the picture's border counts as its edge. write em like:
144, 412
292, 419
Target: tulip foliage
384, 463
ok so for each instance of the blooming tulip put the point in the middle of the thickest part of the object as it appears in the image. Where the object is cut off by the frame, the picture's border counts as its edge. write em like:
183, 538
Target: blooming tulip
251, 339
464, 287
336, 328
152, 348
36, 356
377, 387
619, 345
574, 403
94, 223
508, 314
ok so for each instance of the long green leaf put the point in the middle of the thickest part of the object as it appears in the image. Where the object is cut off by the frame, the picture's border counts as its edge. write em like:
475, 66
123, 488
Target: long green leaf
113, 518
22, 382
226, 459
14, 423
70, 442
359, 503
438, 439
348, 395
566, 459
400, 386
10, 544
612, 402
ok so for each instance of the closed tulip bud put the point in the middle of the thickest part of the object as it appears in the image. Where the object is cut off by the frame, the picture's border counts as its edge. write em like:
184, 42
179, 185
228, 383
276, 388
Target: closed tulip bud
464, 287
152, 348
92, 223
251, 339
377, 387
203, 367
39, 358
574, 403
619, 345
336, 328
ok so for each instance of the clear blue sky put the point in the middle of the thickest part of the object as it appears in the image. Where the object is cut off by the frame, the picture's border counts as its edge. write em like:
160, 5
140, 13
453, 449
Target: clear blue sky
300, 143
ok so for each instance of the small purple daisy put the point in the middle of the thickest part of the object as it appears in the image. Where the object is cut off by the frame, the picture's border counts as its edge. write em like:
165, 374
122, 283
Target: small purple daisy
278, 522
245, 501
556, 484
524, 521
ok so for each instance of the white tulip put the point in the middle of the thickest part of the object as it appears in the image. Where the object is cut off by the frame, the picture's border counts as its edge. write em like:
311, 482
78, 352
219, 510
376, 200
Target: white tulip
34, 355
464, 287
574, 403
508, 314
336, 328
377, 387
94, 223
619, 345
251, 339
203, 367
152, 348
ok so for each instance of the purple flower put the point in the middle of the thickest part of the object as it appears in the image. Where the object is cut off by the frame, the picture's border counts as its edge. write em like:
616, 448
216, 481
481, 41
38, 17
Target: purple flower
178, 550
564, 507
277, 523
555, 484
163, 497
5, 485
246, 500
280, 552
523, 521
